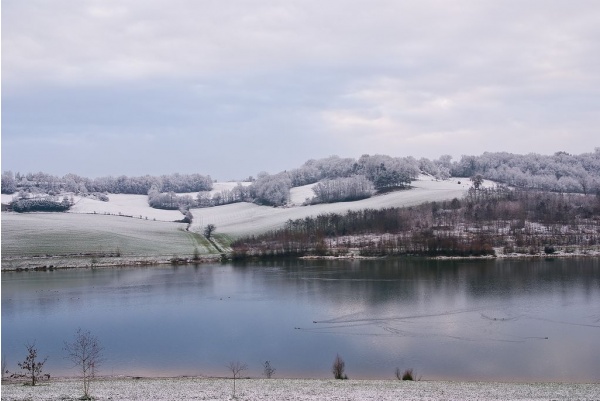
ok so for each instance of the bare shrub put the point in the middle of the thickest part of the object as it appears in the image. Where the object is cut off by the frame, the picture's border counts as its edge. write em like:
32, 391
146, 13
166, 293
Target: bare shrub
236, 369
408, 375
338, 368
32, 369
268, 370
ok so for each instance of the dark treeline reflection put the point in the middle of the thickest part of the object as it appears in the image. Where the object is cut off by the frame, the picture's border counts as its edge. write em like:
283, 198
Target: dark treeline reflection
382, 279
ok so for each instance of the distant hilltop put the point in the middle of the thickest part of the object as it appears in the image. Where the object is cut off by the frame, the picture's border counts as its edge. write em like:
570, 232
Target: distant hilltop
351, 178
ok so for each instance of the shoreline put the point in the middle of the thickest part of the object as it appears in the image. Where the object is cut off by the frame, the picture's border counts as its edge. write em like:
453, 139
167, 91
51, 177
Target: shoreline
51, 263
188, 388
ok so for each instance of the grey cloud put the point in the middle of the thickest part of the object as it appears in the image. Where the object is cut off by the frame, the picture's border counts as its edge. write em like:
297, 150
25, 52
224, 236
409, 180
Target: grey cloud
284, 82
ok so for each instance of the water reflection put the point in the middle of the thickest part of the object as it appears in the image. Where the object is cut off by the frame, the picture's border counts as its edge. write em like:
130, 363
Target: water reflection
491, 320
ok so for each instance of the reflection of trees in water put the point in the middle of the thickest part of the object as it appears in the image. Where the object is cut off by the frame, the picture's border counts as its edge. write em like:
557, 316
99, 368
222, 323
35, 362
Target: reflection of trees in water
409, 285
382, 280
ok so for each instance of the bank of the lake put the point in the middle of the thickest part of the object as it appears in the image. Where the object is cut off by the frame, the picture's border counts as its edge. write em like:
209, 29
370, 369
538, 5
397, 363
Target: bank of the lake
49, 263
129, 389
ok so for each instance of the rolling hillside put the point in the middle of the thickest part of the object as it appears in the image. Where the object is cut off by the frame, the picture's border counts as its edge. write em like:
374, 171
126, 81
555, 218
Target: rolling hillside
126, 226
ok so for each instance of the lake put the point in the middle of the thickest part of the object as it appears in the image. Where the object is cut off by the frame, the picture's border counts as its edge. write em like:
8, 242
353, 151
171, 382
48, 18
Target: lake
494, 320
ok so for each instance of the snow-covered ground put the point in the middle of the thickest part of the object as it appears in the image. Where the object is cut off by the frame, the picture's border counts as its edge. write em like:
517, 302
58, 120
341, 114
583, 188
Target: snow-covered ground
30, 234
126, 205
129, 389
246, 218
299, 195
253, 218
7, 198
227, 185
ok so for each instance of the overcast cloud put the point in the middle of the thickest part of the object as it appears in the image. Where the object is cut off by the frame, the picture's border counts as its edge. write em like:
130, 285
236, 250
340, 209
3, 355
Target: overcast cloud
230, 88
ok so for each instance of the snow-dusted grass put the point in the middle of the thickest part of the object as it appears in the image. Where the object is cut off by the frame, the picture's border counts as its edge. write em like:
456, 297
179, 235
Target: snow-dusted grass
126, 205
218, 187
228, 185
128, 389
7, 198
299, 195
245, 218
32, 234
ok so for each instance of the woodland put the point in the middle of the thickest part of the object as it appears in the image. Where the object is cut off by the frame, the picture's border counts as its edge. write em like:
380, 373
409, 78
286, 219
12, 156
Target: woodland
487, 221
336, 179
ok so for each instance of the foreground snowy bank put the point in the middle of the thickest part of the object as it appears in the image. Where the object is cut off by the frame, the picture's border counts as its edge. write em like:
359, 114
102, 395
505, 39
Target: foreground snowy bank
290, 389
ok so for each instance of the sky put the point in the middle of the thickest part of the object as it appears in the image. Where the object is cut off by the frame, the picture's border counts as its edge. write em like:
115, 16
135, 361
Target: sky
233, 88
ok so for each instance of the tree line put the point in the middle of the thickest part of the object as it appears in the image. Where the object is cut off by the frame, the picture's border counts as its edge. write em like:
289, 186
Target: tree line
46, 204
513, 220
560, 172
337, 179
50, 184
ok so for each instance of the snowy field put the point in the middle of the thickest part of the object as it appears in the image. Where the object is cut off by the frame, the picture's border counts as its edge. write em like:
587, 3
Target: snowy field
290, 389
299, 195
246, 218
32, 234
126, 205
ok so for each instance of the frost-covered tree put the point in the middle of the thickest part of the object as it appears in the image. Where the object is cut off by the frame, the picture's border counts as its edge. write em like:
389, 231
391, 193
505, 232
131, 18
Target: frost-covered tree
40, 204
440, 169
560, 172
273, 190
343, 189
170, 200
331, 167
9, 185
388, 172
203, 199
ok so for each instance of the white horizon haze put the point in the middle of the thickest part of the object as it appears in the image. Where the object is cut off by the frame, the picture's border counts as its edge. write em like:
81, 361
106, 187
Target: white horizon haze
229, 89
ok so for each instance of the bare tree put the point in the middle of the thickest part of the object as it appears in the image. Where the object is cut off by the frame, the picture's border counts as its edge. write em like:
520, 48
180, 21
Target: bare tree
236, 369
268, 370
208, 230
338, 368
33, 369
85, 352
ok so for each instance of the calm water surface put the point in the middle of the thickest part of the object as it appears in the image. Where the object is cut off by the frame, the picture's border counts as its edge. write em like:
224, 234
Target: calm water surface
471, 320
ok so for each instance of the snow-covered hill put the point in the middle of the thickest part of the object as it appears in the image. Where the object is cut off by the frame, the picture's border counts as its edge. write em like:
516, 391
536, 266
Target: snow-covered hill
128, 224
246, 218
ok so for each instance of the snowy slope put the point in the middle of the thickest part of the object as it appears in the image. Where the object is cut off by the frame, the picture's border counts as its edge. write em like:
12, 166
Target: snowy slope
127, 205
31, 234
299, 195
246, 218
